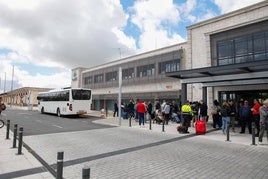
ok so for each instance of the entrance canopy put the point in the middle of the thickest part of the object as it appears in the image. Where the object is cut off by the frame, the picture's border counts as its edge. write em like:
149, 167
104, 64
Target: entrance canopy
236, 74
248, 73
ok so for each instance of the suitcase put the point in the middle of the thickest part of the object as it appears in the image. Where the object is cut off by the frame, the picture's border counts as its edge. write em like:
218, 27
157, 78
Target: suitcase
200, 127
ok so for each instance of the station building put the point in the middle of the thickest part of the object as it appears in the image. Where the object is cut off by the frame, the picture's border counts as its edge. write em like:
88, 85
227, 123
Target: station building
143, 77
225, 57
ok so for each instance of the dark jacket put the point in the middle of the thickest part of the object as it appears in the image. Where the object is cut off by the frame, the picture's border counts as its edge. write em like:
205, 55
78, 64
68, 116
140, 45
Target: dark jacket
203, 109
245, 111
225, 111
233, 110
150, 108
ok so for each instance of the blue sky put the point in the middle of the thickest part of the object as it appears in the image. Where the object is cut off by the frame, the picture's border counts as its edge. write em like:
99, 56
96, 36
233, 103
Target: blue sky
43, 47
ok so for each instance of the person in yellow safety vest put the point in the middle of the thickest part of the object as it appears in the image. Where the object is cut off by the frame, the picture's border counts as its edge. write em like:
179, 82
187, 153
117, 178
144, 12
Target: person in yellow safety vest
187, 114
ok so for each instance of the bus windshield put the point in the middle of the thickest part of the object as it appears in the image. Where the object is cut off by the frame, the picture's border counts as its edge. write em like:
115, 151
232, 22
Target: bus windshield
80, 94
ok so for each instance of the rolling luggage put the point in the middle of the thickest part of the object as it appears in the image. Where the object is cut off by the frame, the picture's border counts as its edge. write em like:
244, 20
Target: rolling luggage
200, 127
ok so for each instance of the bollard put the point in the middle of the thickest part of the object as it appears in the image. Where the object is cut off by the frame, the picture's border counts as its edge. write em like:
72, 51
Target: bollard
20, 140
163, 125
253, 133
15, 135
86, 173
8, 128
130, 121
150, 124
228, 132
106, 110
59, 165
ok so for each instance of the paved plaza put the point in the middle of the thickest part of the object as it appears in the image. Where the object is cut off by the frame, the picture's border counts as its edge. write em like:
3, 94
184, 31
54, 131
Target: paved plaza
134, 152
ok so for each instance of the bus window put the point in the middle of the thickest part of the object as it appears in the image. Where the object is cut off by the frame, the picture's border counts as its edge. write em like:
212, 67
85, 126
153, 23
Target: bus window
81, 94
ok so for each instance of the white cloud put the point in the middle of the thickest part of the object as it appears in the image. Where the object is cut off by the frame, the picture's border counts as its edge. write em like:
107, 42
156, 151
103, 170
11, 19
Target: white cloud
124, 39
153, 18
69, 32
22, 78
63, 34
25, 4
57, 80
231, 5
186, 9
208, 14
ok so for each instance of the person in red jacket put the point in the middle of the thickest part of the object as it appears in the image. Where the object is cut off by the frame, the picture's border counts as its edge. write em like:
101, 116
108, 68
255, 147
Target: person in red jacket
256, 115
141, 110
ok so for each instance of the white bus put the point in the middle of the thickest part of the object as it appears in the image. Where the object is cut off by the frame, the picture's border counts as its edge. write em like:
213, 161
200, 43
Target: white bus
72, 101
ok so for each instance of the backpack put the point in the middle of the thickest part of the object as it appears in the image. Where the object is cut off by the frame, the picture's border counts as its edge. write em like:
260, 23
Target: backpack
225, 110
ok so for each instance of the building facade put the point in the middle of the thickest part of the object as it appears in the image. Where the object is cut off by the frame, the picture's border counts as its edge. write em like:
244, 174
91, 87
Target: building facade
26, 96
225, 57
143, 77
228, 57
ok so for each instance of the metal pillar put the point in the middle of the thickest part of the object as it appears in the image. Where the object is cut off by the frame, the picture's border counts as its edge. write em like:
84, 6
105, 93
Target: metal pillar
183, 92
204, 94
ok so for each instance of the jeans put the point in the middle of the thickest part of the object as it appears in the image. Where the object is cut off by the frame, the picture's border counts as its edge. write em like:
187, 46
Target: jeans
225, 122
141, 118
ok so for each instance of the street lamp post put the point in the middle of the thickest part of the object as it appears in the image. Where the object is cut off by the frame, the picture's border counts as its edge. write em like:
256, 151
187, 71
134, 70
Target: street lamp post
11, 96
119, 94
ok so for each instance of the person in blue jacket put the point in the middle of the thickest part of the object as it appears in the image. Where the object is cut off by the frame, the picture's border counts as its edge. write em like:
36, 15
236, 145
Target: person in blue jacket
245, 117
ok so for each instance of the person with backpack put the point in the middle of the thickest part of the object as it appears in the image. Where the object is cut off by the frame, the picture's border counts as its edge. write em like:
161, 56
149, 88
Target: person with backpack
225, 116
215, 112
130, 109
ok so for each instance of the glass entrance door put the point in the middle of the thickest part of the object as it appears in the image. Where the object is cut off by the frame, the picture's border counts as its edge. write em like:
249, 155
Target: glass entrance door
243, 95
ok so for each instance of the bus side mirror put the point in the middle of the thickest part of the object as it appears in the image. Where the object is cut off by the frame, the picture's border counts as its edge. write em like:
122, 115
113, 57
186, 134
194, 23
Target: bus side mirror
67, 104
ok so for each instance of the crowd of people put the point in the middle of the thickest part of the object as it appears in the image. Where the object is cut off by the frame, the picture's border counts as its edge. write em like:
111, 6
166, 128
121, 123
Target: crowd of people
143, 110
160, 112
228, 113
244, 114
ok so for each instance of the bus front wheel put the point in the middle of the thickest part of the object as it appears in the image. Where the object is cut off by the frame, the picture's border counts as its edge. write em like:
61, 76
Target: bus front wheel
58, 112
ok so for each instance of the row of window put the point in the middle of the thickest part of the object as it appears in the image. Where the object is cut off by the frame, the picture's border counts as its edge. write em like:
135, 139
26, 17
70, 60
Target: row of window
129, 73
247, 48
54, 96
77, 94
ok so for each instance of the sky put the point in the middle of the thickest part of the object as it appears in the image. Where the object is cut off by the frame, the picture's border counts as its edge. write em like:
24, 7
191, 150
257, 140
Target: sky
42, 40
